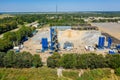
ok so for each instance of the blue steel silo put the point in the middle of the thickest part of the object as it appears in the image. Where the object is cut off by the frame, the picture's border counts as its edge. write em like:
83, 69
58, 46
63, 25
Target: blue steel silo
101, 42
109, 42
51, 37
54, 40
44, 44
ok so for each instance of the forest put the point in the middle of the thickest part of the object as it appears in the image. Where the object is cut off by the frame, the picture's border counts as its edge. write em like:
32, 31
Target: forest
84, 61
7, 24
20, 60
6, 43
60, 19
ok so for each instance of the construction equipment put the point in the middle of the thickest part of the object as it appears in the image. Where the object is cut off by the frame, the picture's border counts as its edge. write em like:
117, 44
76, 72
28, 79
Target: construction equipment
118, 47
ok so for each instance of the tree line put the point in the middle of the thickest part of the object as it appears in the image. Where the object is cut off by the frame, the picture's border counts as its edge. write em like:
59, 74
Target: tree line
19, 60
11, 59
63, 19
106, 20
7, 24
11, 39
84, 61
43, 19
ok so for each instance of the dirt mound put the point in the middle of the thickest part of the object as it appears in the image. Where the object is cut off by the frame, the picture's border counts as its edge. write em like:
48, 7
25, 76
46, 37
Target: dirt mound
70, 34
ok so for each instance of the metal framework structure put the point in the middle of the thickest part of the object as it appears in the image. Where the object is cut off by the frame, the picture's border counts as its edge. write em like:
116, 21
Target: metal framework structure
54, 40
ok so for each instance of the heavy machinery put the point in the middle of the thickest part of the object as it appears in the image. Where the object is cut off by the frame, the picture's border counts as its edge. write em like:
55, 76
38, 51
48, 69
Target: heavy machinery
118, 48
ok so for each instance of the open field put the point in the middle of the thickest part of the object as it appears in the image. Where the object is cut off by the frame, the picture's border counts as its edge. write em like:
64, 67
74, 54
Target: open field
5, 15
111, 28
45, 73
99, 74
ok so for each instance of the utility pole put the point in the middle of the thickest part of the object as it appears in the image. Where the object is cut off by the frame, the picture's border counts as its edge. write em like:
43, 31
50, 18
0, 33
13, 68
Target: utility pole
56, 8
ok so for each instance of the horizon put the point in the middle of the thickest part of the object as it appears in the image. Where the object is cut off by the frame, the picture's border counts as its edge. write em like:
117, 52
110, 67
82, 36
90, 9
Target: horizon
67, 12
62, 5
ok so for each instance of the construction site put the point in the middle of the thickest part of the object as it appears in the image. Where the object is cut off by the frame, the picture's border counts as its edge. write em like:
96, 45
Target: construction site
67, 39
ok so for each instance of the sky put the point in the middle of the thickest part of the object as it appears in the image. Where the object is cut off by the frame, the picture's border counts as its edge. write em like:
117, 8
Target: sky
63, 5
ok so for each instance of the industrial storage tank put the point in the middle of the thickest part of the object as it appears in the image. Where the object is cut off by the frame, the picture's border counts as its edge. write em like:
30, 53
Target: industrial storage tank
101, 42
109, 42
44, 44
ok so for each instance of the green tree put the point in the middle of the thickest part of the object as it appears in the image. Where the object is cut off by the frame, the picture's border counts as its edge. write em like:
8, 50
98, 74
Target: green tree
81, 61
24, 60
113, 61
68, 61
2, 54
10, 36
117, 71
91, 61
5, 45
9, 59
53, 61
36, 61
96, 61
7, 24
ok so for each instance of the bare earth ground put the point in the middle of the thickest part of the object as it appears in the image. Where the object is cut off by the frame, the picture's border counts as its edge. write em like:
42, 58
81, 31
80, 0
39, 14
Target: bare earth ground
34, 43
78, 38
111, 28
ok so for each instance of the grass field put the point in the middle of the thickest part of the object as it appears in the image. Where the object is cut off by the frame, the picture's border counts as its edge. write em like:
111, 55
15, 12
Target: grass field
45, 73
99, 74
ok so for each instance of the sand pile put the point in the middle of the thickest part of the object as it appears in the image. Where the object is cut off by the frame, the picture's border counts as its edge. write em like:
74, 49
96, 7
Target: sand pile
70, 34
78, 38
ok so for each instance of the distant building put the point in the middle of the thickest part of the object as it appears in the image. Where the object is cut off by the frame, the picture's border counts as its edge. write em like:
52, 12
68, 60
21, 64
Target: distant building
34, 24
75, 28
61, 27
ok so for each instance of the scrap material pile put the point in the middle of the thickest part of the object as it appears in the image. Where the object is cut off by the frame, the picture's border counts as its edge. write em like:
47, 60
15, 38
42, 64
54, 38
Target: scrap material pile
79, 38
